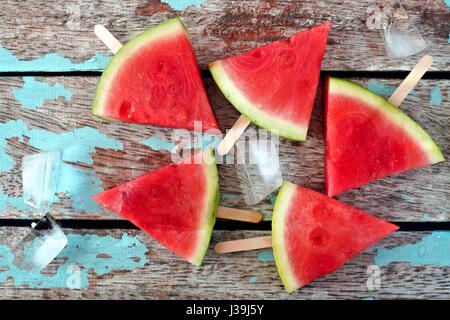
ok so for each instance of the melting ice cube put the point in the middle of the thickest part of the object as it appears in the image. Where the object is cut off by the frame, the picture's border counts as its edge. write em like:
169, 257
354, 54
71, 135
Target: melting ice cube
400, 35
258, 168
40, 246
40, 174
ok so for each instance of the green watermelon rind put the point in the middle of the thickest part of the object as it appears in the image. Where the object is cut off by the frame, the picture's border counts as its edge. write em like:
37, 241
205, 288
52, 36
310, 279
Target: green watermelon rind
393, 113
211, 208
161, 30
283, 128
280, 211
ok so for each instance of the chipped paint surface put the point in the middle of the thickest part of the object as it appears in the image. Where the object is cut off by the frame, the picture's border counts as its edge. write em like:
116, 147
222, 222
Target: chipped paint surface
253, 279
76, 146
383, 90
380, 89
182, 4
50, 62
34, 93
432, 249
159, 144
84, 255
436, 96
266, 256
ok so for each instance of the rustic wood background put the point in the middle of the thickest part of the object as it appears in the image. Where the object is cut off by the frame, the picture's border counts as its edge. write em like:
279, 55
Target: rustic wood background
39, 38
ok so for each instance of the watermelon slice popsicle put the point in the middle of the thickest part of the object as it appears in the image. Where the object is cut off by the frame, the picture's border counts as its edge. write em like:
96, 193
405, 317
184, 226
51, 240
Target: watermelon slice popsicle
313, 235
177, 204
380, 141
223, 212
154, 79
273, 86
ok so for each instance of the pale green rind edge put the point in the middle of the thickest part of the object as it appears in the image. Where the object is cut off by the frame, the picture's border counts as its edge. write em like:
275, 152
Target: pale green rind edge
210, 208
283, 128
108, 75
393, 113
280, 211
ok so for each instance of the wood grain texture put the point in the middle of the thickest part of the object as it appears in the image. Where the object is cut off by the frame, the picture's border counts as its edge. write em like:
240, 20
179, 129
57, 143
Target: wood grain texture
404, 197
218, 28
228, 276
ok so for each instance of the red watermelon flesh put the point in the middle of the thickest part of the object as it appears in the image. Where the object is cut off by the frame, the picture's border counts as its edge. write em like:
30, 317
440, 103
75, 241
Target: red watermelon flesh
154, 79
314, 235
368, 138
175, 205
275, 85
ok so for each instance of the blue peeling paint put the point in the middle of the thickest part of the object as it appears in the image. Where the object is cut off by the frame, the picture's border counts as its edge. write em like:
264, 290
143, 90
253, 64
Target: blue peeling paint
79, 185
436, 96
448, 40
182, 4
76, 146
50, 62
159, 144
368, 298
432, 249
253, 279
426, 217
266, 256
383, 90
34, 93
447, 2
207, 141
84, 254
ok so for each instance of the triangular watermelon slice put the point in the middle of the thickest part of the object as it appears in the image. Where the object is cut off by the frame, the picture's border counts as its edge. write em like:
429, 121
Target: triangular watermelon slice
275, 85
314, 235
368, 138
154, 79
175, 204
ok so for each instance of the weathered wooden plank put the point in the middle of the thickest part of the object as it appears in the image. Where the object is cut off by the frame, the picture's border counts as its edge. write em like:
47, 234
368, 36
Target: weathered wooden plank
57, 36
110, 153
155, 273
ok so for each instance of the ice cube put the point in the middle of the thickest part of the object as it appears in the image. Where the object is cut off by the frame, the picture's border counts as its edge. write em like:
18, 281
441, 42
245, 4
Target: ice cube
40, 174
400, 36
40, 246
258, 168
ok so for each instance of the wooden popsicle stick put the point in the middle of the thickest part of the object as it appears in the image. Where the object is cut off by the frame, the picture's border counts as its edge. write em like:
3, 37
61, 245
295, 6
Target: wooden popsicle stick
411, 80
243, 245
107, 38
224, 213
233, 135
239, 214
